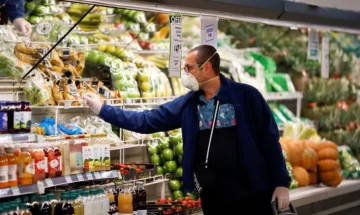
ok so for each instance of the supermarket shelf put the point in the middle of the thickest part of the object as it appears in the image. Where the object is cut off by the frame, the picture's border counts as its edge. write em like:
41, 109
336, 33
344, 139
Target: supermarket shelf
67, 104
18, 138
127, 146
153, 180
283, 96
151, 52
52, 182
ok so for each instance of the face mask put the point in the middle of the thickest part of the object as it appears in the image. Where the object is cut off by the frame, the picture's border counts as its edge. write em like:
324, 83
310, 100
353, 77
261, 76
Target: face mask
189, 81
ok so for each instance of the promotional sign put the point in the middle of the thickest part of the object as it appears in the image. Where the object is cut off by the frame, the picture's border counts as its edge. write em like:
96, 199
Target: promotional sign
209, 28
313, 46
325, 56
175, 45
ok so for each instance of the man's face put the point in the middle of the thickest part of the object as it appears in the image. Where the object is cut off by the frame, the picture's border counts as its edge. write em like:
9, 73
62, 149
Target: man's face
193, 67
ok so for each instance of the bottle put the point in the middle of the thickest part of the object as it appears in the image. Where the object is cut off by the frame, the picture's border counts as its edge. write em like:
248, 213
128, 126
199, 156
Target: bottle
109, 191
75, 204
76, 165
134, 201
105, 202
35, 206
10, 113
4, 169
125, 199
59, 205
68, 208
141, 198
52, 201
65, 152
13, 208
12, 169
52, 162
25, 167
57, 153
38, 160
45, 208
87, 202
18, 117
80, 201
24, 210
6, 208
26, 117
3, 118
18, 202
96, 207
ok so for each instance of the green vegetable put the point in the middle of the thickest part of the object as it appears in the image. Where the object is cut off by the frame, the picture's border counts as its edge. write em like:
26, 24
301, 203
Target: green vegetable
35, 19
42, 10
8, 67
30, 7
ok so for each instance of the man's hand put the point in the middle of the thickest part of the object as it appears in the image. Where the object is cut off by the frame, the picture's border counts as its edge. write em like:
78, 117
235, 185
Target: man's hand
22, 26
93, 101
281, 194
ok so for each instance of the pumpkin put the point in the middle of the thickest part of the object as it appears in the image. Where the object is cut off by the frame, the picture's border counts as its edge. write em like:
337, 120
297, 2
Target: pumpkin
161, 19
301, 176
326, 144
328, 165
328, 153
287, 151
296, 149
335, 182
329, 176
313, 178
309, 159
310, 144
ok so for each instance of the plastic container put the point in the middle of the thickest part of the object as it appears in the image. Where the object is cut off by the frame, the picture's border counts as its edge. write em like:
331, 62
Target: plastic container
76, 165
3, 118
12, 170
4, 168
25, 167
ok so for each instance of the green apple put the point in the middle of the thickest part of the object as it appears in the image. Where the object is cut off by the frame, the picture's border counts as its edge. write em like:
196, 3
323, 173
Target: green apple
158, 135
117, 75
180, 158
192, 196
165, 170
134, 94
168, 154
93, 57
179, 172
120, 85
143, 77
164, 143
174, 184
102, 47
179, 149
160, 170
178, 194
145, 86
175, 139
171, 166
110, 49
153, 149
155, 159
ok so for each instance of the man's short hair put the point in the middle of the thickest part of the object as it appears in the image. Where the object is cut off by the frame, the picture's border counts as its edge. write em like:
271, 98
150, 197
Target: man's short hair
206, 54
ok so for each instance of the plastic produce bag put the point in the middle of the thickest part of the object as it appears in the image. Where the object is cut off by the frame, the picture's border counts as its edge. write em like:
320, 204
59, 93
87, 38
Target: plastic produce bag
350, 165
147, 83
48, 125
36, 90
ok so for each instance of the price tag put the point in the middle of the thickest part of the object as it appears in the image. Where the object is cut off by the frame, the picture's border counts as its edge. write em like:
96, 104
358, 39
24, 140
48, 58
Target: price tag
68, 179
15, 191
89, 176
209, 28
31, 137
80, 177
49, 182
97, 175
65, 52
325, 55
175, 45
41, 187
67, 104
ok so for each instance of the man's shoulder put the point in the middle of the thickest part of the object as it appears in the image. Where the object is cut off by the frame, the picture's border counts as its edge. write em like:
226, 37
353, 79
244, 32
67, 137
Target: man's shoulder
245, 88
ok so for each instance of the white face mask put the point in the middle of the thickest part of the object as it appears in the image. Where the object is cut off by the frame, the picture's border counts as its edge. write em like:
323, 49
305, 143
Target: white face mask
189, 81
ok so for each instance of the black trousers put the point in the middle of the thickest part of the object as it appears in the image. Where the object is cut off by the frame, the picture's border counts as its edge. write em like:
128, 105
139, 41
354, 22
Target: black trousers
256, 204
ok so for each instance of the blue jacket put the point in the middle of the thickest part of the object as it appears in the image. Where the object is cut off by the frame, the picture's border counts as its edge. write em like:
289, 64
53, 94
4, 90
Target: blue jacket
15, 8
258, 135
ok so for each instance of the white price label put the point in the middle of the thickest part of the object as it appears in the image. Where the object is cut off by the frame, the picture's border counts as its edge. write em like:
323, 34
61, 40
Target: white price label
175, 45
115, 174
325, 56
209, 28
67, 104
313, 46
41, 187
97, 175
15, 191
31, 137
80, 177
49, 182
68, 179
89, 176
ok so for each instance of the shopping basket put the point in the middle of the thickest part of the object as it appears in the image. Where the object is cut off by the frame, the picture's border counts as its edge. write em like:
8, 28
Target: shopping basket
276, 211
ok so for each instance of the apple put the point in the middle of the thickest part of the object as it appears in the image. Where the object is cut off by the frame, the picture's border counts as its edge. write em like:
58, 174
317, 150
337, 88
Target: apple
179, 172
145, 86
192, 196
164, 143
117, 75
102, 58
134, 94
155, 159
168, 154
178, 194
171, 166
180, 158
175, 139
153, 150
160, 170
120, 85
110, 49
147, 94
165, 170
143, 77
179, 149
93, 57
174, 184
158, 135
102, 47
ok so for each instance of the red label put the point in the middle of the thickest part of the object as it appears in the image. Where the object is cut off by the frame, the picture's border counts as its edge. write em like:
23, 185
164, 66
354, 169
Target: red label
39, 166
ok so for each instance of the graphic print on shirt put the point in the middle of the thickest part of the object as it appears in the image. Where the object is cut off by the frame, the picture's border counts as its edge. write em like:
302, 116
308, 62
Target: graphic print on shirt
225, 118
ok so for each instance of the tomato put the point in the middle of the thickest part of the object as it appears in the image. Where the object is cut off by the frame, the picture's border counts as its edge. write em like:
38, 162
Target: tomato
123, 166
184, 202
169, 199
162, 200
188, 198
168, 211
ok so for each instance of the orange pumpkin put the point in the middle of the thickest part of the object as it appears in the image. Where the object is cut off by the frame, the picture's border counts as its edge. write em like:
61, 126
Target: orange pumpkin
328, 153
301, 176
313, 178
310, 144
328, 165
326, 144
329, 176
309, 159
335, 182
287, 151
296, 149
161, 19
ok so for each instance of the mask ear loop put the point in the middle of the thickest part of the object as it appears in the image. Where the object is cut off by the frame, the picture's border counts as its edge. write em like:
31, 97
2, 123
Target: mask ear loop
208, 60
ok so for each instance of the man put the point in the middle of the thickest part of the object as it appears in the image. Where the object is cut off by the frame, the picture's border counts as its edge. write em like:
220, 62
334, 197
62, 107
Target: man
244, 168
14, 10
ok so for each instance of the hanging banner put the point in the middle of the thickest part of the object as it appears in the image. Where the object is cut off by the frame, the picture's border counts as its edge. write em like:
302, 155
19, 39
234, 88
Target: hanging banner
325, 55
209, 28
313, 46
175, 45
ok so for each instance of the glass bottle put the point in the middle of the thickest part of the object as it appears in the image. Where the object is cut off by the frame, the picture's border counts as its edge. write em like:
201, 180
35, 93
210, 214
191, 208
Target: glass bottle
87, 202
26, 117
141, 198
45, 208
18, 117
38, 161
24, 210
3, 118
134, 201
35, 206
52, 201
125, 199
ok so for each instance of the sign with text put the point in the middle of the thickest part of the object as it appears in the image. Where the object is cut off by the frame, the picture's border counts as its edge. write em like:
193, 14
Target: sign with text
175, 45
325, 55
313, 46
209, 28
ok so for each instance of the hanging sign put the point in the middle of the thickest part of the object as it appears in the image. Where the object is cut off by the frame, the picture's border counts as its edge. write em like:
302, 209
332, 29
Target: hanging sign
313, 46
175, 45
325, 55
209, 28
